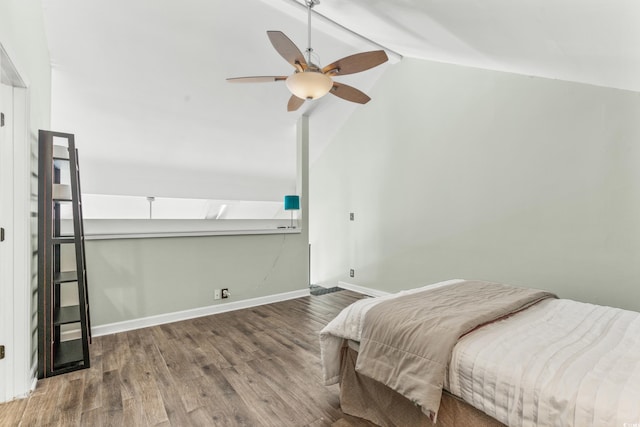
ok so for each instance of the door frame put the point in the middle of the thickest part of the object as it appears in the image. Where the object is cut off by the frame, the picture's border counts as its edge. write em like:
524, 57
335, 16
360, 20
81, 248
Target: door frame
16, 281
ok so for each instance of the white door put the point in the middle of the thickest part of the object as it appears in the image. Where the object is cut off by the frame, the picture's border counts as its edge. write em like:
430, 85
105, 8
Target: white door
15, 250
6, 255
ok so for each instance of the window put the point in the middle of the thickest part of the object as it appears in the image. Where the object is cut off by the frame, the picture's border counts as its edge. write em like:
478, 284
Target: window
101, 206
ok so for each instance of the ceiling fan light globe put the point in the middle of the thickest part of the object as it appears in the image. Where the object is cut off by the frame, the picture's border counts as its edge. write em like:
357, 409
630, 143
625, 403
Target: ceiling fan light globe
309, 84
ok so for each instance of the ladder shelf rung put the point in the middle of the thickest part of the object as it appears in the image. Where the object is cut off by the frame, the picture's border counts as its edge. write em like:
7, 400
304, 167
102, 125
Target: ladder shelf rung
60, 152
63, 239
67, 353
61, 192
65, 276
67, 314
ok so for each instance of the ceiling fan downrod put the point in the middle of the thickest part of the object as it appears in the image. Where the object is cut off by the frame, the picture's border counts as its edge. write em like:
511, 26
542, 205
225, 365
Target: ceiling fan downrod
310, 4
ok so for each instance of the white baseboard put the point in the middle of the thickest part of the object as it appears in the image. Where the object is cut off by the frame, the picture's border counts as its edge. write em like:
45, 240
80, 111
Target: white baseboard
362, 289
144, 322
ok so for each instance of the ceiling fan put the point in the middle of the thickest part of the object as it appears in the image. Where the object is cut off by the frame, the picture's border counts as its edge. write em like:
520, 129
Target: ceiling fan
309, 81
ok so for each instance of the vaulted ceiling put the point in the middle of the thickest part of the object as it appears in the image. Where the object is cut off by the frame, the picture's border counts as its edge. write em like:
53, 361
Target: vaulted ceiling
142, 83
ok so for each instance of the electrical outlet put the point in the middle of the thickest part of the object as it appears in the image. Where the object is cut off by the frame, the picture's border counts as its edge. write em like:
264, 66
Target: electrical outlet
216, 294
352, 216
225, 293
352, 273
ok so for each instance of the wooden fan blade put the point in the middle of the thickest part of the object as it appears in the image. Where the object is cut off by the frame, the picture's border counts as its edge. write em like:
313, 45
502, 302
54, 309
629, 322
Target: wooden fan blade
294, 103
349, 93
287, 49
356, 63
256, 79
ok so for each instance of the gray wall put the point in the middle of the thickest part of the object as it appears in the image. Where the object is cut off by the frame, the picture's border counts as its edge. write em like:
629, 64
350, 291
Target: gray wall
135, 278
455, 172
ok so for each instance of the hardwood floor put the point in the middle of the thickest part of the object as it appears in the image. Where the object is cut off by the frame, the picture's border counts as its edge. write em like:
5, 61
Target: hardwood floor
254, 367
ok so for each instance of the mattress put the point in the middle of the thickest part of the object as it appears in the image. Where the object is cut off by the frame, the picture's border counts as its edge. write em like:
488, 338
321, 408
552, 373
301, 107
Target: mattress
558, 363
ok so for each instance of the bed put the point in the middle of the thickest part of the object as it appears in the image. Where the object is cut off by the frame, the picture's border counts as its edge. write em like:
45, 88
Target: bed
541, 361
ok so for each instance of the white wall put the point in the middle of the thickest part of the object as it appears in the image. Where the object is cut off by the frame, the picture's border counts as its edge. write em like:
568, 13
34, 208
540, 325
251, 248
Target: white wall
455, 172
22, 36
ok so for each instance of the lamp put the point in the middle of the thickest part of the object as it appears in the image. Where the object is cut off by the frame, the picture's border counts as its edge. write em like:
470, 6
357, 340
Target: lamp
309, 84
291, 203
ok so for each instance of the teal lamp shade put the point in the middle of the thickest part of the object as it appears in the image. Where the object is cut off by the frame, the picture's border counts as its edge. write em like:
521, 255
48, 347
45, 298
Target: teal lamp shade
291, 203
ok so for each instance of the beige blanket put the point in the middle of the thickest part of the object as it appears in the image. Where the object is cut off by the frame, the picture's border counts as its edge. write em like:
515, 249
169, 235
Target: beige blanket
406, 342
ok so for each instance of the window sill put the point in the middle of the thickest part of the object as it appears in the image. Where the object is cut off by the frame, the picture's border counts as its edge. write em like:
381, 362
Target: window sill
105, 229
191, 234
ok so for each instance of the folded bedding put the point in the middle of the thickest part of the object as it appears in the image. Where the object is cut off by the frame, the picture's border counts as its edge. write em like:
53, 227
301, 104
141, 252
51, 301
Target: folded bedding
347, 325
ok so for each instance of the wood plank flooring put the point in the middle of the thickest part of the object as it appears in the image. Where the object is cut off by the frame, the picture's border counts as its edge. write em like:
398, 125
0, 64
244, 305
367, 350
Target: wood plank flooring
253, 367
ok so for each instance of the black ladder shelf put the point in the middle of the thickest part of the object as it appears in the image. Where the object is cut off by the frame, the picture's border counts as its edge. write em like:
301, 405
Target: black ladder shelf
63, 300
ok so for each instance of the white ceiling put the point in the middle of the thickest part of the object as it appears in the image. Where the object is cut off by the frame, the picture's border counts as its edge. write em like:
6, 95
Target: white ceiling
142, 83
